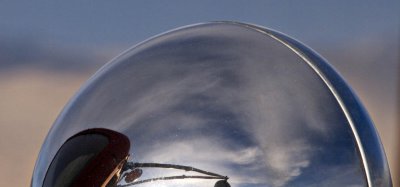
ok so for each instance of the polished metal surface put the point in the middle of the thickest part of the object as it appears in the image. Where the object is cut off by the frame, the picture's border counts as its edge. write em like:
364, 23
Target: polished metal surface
235, 99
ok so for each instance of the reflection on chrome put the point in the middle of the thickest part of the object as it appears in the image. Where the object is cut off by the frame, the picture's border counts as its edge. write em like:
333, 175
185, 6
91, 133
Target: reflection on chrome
99, 157
233, 99
136, 171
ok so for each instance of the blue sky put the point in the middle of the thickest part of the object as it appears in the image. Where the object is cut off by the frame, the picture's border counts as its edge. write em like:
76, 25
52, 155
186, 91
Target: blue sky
124, 23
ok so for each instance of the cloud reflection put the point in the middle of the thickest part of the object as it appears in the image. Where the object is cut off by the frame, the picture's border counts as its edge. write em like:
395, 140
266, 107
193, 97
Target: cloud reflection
239, 104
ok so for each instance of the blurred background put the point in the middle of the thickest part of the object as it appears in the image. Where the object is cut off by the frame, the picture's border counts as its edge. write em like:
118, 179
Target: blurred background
49, 48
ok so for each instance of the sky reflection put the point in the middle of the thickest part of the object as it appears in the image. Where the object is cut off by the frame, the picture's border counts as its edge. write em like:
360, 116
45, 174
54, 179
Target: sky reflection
223, 98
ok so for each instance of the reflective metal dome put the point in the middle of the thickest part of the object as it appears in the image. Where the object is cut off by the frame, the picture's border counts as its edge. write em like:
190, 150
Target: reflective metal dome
224, 104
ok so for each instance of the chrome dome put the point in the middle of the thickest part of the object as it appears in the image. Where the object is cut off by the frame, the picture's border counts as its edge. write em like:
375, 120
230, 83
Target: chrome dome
230, 98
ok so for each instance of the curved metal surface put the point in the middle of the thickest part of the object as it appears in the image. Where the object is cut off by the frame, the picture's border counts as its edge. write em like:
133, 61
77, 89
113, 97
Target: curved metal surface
230, 98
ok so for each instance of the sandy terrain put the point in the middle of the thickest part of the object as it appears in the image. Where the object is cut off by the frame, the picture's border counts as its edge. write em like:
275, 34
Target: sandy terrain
30, 100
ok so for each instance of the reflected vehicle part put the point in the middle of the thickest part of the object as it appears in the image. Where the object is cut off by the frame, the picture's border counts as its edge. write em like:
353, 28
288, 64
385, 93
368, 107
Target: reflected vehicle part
98, 157
230, 98
89, 158
135, 172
